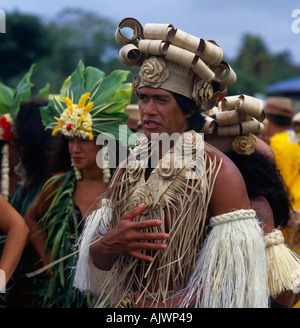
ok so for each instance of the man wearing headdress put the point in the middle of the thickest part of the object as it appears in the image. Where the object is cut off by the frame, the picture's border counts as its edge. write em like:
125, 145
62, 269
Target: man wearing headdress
174, 231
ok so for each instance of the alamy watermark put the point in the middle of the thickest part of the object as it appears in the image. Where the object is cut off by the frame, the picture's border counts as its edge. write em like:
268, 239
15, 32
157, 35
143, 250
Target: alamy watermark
179, 151
2, 21
296, 22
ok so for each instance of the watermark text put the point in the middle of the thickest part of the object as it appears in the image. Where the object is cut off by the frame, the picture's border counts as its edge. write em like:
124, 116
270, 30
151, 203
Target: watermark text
176, 151
2, 21
296, 22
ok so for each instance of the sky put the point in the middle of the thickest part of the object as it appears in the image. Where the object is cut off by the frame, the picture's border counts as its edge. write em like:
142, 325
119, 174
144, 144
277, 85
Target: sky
225, 21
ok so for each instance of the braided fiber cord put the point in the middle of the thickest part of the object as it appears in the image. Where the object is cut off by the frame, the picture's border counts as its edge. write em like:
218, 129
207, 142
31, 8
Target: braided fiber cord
232, 216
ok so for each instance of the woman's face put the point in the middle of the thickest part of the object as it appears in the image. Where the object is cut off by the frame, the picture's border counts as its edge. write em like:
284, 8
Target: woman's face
160, 112
83, 152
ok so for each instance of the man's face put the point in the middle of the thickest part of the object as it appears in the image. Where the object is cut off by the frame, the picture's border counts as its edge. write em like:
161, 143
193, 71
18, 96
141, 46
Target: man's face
160, 112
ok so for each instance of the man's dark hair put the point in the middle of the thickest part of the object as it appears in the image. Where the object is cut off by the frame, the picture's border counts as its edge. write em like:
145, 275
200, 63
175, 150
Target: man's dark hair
188, 106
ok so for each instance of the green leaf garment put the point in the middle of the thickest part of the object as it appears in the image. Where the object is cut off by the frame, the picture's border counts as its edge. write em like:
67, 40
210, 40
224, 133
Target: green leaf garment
62, 223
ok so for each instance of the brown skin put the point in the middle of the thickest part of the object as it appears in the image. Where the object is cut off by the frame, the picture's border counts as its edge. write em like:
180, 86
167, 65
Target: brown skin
264, 148
86, 191
161, 113
160, 108
12, 224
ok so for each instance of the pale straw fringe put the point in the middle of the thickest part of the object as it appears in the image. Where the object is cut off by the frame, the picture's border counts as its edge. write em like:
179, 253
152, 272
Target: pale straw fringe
283, 265
231, 269
87, 276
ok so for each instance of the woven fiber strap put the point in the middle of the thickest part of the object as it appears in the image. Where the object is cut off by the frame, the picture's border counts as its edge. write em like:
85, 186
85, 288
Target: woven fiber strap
232, 216
274, 238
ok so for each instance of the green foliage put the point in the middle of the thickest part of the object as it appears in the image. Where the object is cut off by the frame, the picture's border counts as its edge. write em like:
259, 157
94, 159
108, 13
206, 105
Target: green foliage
256, 67
22, 92
25, 41
11, 99
6, 98
56, 46
62, 226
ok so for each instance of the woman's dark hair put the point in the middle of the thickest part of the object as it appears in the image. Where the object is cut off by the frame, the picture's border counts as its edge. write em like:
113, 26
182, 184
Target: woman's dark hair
60, 160
188, 106
33, 143
262, 178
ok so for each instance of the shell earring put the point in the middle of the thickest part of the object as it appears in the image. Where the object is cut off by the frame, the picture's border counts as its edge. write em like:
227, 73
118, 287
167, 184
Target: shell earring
105, 161
78, 174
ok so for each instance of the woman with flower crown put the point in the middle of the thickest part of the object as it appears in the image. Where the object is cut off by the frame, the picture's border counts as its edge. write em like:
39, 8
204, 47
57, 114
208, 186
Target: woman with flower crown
90, 104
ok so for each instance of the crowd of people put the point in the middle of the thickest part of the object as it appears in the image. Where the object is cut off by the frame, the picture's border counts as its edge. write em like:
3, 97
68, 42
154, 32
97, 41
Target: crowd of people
188, 199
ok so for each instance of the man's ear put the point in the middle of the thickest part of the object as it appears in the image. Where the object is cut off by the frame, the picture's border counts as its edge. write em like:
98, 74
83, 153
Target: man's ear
189, 115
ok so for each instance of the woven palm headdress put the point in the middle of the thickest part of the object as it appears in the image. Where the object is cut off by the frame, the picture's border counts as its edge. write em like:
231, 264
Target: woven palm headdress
182, 63
176, 61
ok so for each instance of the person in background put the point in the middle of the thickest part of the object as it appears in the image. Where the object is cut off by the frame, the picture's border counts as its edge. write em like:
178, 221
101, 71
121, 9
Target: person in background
57, 215
33, 145
256, 161
11, 99
279, 113
134, 120
292, 232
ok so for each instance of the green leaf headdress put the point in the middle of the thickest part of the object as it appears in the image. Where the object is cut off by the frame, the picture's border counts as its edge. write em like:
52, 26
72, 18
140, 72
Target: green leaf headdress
10, 101
89, 104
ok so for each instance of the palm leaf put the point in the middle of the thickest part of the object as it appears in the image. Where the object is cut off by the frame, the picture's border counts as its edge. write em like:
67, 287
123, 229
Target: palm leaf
109, 86
22, 92
77, 82
61, 225
44, 92
93, 78
6, 98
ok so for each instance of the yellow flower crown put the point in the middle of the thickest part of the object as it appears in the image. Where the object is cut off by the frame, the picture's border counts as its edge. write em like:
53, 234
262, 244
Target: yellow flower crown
76, 119
90, 104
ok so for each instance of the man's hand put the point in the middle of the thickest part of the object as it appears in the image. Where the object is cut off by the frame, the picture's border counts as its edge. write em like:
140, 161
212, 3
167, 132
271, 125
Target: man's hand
127, 237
